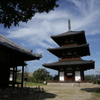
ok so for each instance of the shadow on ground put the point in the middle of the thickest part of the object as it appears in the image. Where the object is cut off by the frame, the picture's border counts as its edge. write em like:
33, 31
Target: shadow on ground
96, 89
25, 94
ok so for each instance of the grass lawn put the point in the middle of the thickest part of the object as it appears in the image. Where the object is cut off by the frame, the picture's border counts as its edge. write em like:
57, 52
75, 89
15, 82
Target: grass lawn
97, 94
33, 84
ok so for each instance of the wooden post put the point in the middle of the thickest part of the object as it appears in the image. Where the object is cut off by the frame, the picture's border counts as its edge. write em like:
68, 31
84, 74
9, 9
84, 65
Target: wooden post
22, 76
13, 78
15, 73
83, 75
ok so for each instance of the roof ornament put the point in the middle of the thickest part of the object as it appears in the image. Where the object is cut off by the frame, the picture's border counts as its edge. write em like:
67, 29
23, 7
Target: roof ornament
69, 24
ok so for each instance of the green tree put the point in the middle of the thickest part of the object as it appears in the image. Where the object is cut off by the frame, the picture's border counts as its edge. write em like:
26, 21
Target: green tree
15, 11
26, 72
41, 75
56, 77
88, 77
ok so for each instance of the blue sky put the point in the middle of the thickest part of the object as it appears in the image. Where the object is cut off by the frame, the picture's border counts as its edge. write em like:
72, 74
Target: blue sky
84, 15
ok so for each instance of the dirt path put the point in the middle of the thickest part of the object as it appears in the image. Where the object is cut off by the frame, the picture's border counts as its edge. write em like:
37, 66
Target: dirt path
70, 93
51, 93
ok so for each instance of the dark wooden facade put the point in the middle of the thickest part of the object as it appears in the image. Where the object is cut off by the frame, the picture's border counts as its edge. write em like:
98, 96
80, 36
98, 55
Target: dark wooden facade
12, 56
69, 76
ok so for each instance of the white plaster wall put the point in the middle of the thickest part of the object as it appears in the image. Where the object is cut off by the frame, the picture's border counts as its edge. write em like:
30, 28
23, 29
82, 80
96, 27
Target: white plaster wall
11, 77
61, 76
77, 76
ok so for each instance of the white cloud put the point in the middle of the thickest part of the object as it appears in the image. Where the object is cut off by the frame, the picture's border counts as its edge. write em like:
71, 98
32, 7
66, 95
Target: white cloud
89, 12
49, 61
39, 32
33, 61
95, 31
98, 52
84, 14
39, 51
42, 26
23, 44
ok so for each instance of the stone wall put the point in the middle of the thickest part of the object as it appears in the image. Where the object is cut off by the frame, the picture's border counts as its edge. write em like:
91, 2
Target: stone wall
71, 84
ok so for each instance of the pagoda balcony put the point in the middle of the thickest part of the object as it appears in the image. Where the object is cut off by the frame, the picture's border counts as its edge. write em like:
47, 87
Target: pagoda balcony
70, 59
67, 45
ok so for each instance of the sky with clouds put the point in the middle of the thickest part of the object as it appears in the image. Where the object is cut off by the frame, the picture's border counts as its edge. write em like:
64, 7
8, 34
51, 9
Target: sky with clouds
35, 34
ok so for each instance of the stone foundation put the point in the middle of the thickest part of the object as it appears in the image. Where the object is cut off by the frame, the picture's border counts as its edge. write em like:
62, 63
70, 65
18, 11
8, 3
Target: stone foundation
71, 84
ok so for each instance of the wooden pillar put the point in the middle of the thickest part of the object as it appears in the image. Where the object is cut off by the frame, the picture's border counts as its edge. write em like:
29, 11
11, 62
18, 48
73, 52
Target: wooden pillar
58, 76
15, 73
13, 81
82, 75
22, 76
74, 76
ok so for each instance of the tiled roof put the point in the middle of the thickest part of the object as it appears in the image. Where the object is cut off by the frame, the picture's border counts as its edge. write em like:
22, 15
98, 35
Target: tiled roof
77, 36
69, 47
68, 33
10, 44
78, 49
76, 62
56, 65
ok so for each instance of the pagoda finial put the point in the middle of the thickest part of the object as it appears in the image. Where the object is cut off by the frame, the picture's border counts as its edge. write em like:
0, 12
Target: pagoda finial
69, 24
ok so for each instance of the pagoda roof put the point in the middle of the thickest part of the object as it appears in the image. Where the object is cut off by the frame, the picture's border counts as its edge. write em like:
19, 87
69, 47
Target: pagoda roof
11, 46
79, 50
78, 35
82, 64
68, 33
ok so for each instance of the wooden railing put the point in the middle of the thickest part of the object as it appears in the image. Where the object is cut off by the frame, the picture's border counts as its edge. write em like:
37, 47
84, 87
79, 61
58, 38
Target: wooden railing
68, 45
70, 59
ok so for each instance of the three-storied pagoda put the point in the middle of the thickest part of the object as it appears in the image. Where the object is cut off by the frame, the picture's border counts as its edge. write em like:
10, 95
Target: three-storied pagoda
73, 46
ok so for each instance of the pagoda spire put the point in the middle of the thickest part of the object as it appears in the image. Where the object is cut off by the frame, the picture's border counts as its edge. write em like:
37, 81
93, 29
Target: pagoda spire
69, 24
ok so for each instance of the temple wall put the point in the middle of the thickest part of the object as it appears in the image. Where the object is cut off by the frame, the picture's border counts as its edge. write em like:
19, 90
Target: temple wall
61, 76
77, 76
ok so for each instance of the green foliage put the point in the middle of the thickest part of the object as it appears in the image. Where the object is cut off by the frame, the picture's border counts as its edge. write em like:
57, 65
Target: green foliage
26, 71
94, 78
88, 77
97, 94
19, 76
56, 77
41, 75
15, 11
33, 84
30, 79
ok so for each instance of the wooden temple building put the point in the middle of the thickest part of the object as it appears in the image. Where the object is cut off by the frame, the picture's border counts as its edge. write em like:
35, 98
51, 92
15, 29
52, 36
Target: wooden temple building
73, 46
11, 57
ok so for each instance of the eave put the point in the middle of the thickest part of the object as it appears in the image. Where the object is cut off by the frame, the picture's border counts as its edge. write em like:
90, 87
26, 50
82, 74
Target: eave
78, 35
10, 46
82, 64
81, 50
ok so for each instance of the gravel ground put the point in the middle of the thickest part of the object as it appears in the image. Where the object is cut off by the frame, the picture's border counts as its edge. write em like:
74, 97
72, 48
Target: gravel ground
71, 93
51, 93
68, 93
